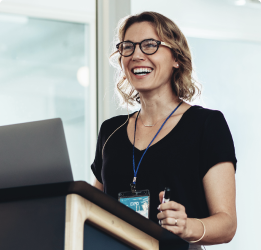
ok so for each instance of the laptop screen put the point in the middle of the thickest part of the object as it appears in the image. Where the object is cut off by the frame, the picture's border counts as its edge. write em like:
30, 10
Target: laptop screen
34, 153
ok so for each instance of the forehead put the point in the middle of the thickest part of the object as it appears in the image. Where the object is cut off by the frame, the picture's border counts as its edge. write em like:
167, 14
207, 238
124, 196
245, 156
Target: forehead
140, 31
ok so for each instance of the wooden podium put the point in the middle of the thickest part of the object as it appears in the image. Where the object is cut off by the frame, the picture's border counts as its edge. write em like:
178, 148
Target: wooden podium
75, 216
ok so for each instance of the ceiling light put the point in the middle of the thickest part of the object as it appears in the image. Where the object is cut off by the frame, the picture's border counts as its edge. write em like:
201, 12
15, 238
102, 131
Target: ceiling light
240, 2
83, 76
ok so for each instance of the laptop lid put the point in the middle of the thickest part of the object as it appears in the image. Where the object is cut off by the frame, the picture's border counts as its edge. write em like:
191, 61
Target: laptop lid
33, 153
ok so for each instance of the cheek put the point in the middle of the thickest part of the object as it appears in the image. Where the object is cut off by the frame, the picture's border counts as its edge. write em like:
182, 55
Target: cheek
163, 72
166, 66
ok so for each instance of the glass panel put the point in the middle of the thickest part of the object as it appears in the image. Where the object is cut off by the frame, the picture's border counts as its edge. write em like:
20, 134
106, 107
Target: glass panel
39, 61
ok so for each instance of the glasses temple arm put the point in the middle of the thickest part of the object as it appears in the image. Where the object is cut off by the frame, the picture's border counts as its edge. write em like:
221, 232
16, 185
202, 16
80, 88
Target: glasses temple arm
165, 44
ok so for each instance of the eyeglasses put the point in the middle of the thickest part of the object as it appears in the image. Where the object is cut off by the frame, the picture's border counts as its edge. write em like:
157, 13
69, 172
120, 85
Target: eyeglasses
147, 46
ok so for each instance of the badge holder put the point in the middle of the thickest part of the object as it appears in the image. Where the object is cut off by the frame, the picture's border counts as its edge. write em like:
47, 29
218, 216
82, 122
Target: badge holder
137, 200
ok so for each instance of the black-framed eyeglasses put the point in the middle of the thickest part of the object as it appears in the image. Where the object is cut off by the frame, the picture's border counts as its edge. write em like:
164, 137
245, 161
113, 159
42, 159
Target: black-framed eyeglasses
147, 46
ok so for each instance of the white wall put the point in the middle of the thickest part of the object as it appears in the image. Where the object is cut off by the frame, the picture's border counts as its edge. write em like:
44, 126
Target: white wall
225, 40
109, 13
75, 5
230, 74
78, 10
208, 18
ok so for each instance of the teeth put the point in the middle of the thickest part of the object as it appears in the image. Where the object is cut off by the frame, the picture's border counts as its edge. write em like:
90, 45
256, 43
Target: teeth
142, 71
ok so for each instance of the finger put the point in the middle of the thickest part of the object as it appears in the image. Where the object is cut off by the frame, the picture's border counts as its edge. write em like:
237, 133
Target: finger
161, 196
167, 213
171, 214
171, 205
172, 222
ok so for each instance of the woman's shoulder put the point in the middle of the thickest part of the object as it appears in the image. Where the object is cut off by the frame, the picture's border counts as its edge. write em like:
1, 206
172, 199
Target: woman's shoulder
198, 116
115, 122
204, 113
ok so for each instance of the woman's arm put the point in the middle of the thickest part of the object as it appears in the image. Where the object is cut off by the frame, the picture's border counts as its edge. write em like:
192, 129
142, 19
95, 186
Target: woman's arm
97, 184
219, 186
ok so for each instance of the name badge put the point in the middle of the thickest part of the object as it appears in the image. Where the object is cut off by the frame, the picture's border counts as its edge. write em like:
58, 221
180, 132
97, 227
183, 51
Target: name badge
138, 201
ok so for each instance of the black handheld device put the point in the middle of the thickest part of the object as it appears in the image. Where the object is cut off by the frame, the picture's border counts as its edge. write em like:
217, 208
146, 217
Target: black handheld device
166, 196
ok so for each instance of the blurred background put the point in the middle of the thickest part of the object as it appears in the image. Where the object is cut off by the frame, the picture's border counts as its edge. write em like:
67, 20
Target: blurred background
53, 63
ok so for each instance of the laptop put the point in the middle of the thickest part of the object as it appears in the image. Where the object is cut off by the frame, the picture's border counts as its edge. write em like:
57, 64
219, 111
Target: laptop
34, 153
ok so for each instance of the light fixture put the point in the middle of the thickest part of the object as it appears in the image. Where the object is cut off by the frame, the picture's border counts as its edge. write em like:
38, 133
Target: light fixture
83, 76
240, 2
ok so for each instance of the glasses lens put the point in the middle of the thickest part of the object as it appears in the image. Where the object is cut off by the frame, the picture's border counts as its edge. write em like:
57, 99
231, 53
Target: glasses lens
149, 46
126, 48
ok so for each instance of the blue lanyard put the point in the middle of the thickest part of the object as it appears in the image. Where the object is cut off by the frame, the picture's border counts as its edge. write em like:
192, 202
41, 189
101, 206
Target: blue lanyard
136, 171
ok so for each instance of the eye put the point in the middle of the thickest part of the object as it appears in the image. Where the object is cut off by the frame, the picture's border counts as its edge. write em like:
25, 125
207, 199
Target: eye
127, 46
149, 44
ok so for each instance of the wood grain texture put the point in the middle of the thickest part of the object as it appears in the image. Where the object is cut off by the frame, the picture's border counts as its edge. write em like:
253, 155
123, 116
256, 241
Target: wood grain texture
79, 210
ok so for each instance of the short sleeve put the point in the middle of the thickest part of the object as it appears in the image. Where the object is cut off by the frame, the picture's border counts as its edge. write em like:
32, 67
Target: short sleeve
97, 163
217, 143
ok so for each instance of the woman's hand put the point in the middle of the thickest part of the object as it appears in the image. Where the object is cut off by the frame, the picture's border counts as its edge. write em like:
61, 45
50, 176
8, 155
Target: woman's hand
173, 217
220, 226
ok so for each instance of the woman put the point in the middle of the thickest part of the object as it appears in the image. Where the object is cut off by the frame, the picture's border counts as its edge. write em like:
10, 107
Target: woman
193, 153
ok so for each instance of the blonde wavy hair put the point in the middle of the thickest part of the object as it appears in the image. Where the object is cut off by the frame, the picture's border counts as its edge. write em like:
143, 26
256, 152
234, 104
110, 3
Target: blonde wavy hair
182, 82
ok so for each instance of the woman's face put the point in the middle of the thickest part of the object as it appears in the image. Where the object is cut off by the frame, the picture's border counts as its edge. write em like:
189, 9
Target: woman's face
160, 64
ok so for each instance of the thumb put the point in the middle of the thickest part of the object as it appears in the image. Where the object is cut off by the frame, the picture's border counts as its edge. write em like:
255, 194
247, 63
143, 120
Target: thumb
161, 196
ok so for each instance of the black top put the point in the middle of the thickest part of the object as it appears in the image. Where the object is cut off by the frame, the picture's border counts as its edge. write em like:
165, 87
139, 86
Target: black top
180, 160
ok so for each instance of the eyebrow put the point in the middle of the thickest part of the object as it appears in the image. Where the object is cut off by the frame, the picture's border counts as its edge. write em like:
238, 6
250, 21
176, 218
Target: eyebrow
141, 40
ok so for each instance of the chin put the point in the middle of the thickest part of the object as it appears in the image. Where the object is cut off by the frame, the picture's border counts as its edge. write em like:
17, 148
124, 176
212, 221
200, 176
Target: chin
142, 87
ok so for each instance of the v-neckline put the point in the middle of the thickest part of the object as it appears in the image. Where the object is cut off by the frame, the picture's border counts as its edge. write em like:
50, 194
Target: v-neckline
167, 135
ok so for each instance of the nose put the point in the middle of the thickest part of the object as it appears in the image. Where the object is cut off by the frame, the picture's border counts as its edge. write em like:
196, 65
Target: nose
138, 54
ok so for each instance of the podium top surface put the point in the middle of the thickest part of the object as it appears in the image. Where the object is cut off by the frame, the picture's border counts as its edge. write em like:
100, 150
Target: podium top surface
97, 197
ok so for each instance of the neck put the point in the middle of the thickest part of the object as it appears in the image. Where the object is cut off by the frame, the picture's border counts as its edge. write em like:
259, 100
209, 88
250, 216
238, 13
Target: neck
157, 106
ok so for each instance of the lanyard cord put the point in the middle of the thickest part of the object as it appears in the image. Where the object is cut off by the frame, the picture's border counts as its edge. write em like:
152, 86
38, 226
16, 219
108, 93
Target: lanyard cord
115, 129
136, 171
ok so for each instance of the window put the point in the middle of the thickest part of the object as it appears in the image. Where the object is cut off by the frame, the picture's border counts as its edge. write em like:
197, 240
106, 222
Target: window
44, 74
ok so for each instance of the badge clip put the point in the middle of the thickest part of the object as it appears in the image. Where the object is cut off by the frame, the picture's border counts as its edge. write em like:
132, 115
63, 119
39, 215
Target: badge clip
133, 185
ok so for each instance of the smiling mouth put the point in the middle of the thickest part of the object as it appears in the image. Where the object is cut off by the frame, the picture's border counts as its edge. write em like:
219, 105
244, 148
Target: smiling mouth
142, 71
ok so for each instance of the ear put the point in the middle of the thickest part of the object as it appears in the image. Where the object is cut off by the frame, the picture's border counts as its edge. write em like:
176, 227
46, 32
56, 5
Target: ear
175, 64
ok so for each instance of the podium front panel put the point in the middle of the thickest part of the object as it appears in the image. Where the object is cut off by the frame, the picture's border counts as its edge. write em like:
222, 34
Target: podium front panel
95, 239
32, 224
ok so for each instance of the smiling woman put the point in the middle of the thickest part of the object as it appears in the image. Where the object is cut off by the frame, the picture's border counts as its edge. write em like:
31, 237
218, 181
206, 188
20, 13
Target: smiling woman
170, 36
168, 143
